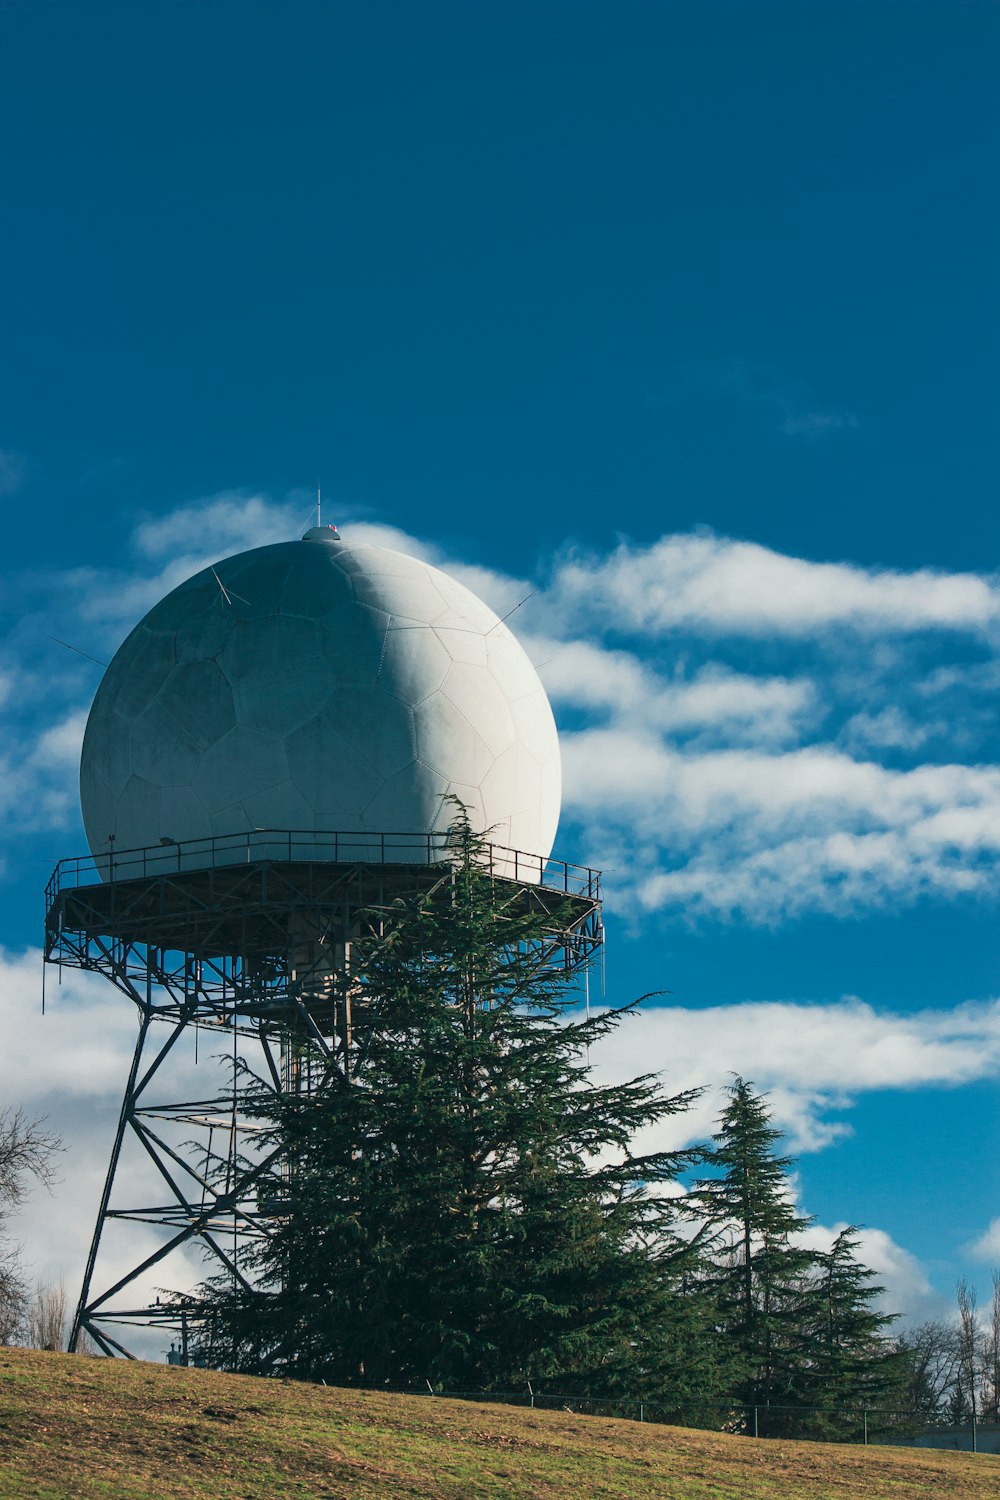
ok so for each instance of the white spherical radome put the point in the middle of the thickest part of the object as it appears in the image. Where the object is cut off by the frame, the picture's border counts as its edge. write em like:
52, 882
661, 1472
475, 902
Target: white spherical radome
319, 686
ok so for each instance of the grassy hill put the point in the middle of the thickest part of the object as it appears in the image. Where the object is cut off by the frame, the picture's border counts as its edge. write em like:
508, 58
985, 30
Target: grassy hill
98, 1428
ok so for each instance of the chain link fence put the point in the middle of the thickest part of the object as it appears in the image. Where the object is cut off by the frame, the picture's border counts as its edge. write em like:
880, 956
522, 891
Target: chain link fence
827, 1424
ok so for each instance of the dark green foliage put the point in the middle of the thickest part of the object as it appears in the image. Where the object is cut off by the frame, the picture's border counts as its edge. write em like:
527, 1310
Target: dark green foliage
851, 1363
459, 1204
759, 1269
465, 1208
797, 1325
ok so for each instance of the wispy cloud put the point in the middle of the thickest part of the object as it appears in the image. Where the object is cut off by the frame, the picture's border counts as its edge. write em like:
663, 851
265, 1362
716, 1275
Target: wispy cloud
774, 400
813, 1060
234, 521
769, 835
713, 701
39, 773
811, 424
888, 729
12, 468
986, 1247
906, 1286
757, 735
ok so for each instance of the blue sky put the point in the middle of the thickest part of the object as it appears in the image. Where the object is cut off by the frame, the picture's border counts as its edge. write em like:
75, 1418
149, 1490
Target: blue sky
683, 316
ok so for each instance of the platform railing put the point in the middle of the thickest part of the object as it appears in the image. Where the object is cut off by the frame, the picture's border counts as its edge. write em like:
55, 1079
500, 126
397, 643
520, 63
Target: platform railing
303, 846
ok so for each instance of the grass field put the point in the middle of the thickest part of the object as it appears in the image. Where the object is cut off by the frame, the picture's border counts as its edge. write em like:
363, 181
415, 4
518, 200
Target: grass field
75, 1427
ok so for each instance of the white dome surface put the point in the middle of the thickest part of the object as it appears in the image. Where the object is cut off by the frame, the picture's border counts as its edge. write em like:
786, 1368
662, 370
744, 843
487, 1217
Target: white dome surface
319, 685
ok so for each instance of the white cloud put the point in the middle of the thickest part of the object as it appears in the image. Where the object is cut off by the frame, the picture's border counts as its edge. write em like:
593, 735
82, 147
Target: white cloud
39, 773
712, 699
217, 525
889, 729
772, 834
85, 1036
987, 1246
812, 1060
716, 586
60, 745
906, 1286
233, 522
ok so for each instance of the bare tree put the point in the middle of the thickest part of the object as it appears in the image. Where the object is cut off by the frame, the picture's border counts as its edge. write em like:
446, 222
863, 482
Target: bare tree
13, 1295
27, 1151
47, 1316
969, 1341
931, 1350
991, 1356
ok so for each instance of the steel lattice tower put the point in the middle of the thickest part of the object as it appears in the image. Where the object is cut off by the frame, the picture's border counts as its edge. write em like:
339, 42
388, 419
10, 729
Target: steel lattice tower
247, 937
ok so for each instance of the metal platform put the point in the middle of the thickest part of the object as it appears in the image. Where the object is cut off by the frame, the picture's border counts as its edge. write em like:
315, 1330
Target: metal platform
241, 896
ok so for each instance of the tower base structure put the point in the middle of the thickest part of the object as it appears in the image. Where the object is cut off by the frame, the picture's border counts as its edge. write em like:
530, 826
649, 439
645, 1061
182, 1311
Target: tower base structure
245, 941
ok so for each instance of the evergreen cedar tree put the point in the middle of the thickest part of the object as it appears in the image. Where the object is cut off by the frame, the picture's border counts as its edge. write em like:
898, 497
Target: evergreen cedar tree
465, 1209
797, 1326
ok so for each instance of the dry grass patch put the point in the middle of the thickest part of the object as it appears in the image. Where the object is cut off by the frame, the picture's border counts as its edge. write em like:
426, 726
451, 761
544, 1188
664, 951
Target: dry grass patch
91, 1429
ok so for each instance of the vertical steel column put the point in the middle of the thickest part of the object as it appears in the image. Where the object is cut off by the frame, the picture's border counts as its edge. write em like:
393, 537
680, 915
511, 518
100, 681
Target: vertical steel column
128, 1102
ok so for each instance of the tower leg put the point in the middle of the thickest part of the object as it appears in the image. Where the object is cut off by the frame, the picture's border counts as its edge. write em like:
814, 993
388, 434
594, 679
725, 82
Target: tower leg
123, 1121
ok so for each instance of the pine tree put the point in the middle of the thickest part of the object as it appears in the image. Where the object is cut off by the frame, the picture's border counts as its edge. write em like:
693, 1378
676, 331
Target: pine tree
759, 1273
806, 1345
851, 1363
466, 1209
